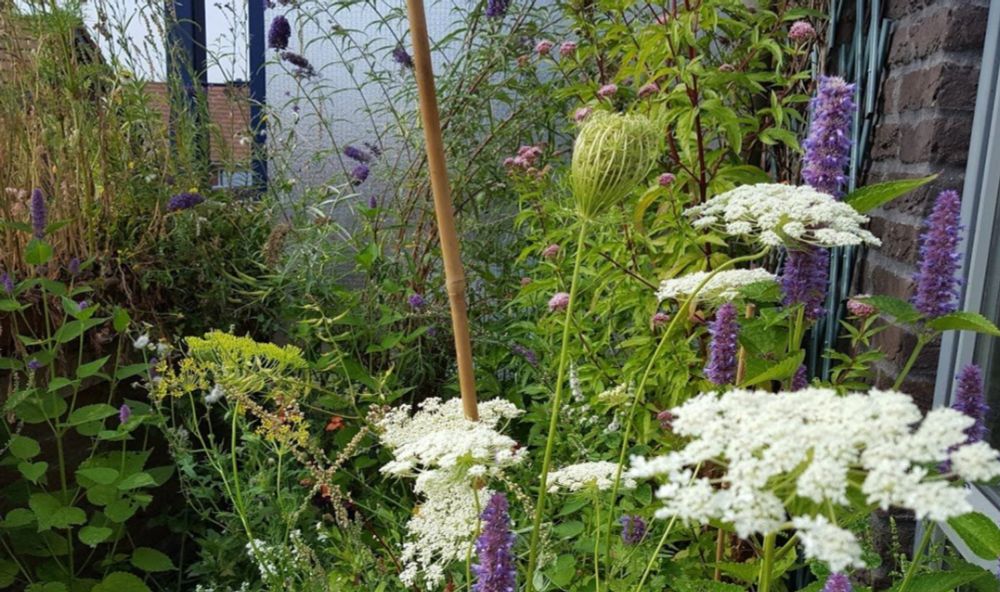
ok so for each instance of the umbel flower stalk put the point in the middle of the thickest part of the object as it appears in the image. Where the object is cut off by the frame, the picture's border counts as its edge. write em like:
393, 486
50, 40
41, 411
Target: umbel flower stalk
611, 156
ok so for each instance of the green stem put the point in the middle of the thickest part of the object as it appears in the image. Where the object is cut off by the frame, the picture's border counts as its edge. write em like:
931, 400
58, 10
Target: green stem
915, 564
554, 419
681, 312
656, 554
922, 340
767, 566
597, 541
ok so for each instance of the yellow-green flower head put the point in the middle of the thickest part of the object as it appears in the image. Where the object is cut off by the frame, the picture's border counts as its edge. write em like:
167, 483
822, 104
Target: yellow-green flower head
613, 154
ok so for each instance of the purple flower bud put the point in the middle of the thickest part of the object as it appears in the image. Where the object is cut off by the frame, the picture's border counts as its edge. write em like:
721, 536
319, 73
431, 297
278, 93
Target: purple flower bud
567, 48
607, 91
74, 266
184, 201
804, 280
801, 31
356, 154
859, 308
828, 145
837, 582
497, 8
543, 47
721, 368
559, 302
582, 114
529, 356
551, 251
937, 282
401, 57
372, 202
279, 33
970, 400
801, 379
666, 179
416, 301
34, 364
124, 413
666, 419
81, 305
39, 213
649, 89
633, 529
7, 283
494, 568
659, 320
303, 68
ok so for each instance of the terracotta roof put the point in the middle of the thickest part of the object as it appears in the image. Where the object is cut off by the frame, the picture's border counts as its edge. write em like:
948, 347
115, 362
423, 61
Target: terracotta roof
229, 113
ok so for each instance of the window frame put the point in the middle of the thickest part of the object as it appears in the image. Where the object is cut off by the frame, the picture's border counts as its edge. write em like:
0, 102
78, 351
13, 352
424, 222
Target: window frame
980, 201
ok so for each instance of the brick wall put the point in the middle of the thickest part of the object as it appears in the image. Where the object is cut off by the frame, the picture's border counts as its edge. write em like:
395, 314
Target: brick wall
925, 122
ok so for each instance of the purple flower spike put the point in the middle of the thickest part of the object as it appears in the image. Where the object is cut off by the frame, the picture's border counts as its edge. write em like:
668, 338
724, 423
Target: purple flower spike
279, 33
74, 266
357, 154
359, 174
828, 145
725, 332
837, 582
804, 280
7, 283
497, 8
801, 379
633, 529
34, 364
416, 301
401, 57
184, 201
937, 284
970, 400
494, 570
372, 202
124, 413
39, 213
529, 356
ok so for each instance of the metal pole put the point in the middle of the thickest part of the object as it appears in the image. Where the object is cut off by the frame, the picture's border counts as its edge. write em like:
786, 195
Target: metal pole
443, 206
258, 91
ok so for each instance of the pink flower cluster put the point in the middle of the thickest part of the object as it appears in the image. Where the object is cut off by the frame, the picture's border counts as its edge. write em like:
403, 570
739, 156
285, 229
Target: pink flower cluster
526, 159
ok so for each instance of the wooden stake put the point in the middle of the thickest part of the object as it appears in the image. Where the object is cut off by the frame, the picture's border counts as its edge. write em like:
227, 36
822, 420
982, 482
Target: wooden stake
443, 207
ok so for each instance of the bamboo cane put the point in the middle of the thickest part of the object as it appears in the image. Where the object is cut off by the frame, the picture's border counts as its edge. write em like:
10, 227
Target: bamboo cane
443, 207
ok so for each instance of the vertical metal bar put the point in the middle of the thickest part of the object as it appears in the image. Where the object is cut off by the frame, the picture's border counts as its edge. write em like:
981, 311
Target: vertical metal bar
258, 91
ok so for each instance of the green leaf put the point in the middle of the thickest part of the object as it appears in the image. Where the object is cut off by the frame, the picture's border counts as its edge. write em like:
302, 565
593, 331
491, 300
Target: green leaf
43, 406
119, 510
91, 368
136, 481
980, 533
870, 197
897, 308
46, 587
12, 225
89, 413
130, 371
690, 585
568, 530
120, 582
120, 319
93, 535
99, 475
779, 371
947, 581
50, 512
17, 518
74, 329
964, 321
32, 471
38, 252
10, 305
562, 571
8, 573
151, 560
60, 382
23, 447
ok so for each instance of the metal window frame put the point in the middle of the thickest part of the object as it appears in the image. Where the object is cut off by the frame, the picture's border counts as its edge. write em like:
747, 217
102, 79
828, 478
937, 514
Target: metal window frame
980, 200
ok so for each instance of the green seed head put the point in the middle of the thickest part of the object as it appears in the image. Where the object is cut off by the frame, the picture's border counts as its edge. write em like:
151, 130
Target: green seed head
613, 153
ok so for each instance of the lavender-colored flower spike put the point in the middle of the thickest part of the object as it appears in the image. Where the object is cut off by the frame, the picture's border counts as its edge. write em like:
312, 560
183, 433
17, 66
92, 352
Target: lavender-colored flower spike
124, 413
725, 331
356, 153
529, 356
495, 570
804, 280
937, 284
359, 174
279, 33
497, 8
39, 213
74, 266
633, 529
401, 57
828, 145
184, 201
7, 282
970, 400
837, 582
801, 379
416, 301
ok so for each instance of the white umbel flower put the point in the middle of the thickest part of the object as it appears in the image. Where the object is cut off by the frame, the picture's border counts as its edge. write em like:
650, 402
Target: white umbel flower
725, 285
773, 214
785, 450
448, 456
599, 475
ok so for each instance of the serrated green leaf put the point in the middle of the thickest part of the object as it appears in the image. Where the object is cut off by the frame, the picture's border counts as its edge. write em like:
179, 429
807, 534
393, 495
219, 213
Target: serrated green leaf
868, 198
94, 535
32, 471
779, 371
119, 510
17, 518
91, 368
980, 533
60, 382
23, 447
89, 413
151, 560
135, 481
130, 371
50, 512
896, 308
120, 319
120, 581
964, 321
99, 475
8, 573
37, 252
10, 305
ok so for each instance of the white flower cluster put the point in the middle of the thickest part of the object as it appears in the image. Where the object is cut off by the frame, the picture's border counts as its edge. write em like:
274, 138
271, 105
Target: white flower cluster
801, 447
775, 214
724, 286
599, 475
447, 454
